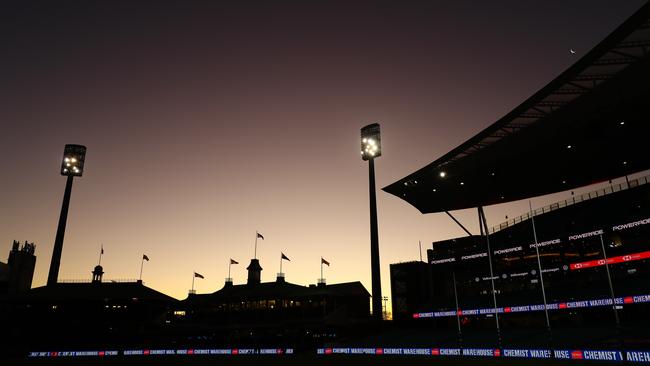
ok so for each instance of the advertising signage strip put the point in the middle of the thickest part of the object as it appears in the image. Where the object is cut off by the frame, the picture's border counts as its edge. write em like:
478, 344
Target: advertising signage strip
208, 351
571, 266
590, 355
631, 225
474, 256
545, 243
633, 356
562, 354
586, 235
589, 234
611, 260
637, 356
84, 353
537, 307
508, 250
444, 260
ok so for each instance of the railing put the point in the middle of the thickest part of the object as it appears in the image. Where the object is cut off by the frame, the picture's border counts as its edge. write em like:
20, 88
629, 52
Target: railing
573, 200
111, 280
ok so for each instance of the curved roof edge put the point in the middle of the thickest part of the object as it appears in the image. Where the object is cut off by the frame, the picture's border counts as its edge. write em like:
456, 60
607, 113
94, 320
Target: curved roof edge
626, 46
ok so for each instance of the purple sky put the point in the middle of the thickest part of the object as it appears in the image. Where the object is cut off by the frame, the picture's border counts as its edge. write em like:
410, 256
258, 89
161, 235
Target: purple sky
206, 123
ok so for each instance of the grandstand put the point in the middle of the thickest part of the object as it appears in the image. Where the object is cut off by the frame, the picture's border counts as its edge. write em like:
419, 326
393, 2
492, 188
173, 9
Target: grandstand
587, 126
570, 252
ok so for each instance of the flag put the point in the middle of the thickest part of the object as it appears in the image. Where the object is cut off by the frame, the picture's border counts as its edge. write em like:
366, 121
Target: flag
232, 261
323, 261
285, 257
260, 236
198, 275
145, 258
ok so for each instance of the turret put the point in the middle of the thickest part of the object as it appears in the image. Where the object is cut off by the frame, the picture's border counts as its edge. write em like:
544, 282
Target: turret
254, 272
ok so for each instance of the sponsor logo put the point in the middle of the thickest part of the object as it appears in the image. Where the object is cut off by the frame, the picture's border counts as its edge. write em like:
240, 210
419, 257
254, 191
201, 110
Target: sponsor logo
576, 355
631, 224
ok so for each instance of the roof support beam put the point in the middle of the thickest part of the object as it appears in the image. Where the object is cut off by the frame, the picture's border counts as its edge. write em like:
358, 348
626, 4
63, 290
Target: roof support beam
459, 224
568, 92
531, 115
614, 61
624, 54
632, 44
552, 104
578, 85
540, 111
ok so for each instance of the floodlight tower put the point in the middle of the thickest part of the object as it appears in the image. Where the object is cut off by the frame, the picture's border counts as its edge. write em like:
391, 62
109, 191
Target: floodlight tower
71, 166
371, 149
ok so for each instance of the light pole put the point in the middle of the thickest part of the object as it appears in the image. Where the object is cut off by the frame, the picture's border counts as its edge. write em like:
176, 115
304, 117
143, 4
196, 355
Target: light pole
71, 166
371, 149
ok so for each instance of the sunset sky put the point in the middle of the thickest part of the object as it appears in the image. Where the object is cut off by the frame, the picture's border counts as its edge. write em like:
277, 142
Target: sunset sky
206, 123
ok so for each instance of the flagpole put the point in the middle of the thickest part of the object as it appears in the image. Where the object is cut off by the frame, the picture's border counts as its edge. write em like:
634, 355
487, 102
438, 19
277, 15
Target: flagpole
101, 251
255, 256
280, 262
321, 268
141, 265
193, 276
229, 265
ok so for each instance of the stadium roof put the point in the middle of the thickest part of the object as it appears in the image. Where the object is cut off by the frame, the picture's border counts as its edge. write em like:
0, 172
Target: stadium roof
95, 292
588, 125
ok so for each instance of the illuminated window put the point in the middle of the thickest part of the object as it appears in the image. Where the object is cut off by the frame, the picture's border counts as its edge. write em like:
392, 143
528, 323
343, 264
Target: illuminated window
179, 313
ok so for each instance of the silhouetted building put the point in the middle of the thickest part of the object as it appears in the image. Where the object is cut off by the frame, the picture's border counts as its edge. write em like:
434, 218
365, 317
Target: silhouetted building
276, 304
16, 275
87, 314
571, 258
585, 243
97, 302
98, 272
412, 291
554, 141
4, 278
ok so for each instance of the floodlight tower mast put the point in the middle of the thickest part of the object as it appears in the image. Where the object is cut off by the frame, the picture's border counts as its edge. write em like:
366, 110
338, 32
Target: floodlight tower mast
371, 149
71, 166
